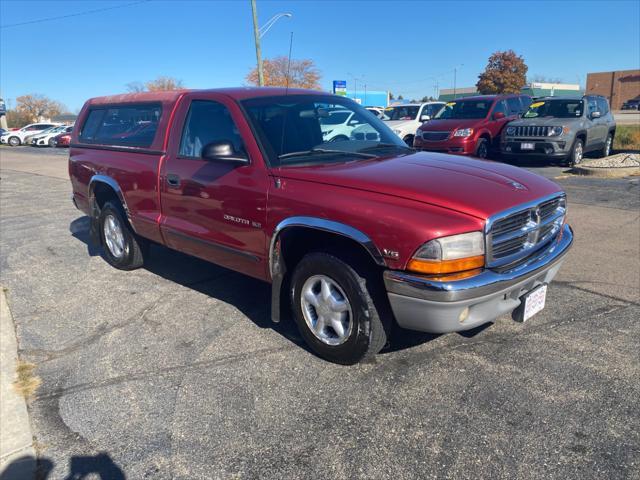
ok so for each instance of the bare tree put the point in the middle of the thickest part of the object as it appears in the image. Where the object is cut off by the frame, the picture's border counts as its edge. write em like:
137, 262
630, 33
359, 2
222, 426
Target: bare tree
278, 73
35, 106
164, 83
135, 87
537, 78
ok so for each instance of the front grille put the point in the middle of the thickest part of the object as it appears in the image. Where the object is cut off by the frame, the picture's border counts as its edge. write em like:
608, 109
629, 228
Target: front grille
531, 131
434, 136
519, 232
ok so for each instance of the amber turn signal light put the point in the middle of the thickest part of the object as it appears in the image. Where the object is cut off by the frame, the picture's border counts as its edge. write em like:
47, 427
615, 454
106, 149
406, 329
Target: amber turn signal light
433, 267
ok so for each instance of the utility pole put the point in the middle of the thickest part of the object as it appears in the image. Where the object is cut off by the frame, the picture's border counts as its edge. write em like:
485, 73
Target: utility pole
455, 71
256, 35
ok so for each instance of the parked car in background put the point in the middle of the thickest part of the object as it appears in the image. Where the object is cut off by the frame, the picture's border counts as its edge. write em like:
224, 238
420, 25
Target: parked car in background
353, 236
17, 137
377, 111
405, 119
564, 128
337, 125
470, 125
62, 140
47, 138
633, 104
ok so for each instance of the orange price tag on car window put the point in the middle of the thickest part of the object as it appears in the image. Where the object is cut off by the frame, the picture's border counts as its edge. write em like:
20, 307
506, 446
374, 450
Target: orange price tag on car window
451, 104
536, 105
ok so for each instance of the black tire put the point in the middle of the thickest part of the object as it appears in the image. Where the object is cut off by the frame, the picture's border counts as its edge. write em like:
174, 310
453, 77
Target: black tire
134, 250
409, 140
52, 142
482, 148
367, 335
605, 151
14, 141
577, 152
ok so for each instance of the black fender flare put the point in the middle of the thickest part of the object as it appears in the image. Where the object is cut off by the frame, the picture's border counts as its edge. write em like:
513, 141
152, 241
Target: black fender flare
277, 268
95, 209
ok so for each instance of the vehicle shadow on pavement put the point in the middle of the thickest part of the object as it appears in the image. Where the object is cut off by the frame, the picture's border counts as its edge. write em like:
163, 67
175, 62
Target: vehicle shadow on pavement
232, 288
79, 229
100, 466
250, 296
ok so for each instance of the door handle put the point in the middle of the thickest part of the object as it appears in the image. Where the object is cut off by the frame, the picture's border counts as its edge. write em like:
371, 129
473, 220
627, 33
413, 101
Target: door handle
173, 180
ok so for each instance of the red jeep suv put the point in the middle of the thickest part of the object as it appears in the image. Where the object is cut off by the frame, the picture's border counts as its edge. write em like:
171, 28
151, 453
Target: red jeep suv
471, 125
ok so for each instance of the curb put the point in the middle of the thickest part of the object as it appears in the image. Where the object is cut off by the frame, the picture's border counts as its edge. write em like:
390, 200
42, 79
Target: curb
603, 172
16, 441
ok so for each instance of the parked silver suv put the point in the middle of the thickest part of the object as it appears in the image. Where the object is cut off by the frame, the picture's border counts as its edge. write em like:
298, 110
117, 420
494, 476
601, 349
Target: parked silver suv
561, 127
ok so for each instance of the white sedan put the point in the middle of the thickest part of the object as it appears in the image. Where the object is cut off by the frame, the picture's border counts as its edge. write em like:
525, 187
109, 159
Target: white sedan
47, 138
16, 137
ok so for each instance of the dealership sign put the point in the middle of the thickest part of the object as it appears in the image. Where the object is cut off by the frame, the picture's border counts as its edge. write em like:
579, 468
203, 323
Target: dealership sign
340, 87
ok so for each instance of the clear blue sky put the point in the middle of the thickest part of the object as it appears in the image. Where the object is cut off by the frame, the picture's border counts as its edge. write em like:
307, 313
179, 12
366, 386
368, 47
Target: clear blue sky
391, 45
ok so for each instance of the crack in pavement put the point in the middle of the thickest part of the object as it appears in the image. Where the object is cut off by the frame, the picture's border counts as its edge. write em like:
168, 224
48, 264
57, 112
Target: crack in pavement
167, 370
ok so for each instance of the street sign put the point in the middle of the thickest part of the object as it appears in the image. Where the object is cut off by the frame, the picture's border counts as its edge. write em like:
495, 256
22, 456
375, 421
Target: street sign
340, 87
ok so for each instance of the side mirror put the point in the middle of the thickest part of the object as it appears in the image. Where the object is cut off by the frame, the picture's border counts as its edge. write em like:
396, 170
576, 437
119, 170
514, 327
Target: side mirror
498, 115
425, 118
223, 152
596, 114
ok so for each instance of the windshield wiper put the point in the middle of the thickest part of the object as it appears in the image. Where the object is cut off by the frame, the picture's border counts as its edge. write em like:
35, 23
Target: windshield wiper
386, 145
314, 151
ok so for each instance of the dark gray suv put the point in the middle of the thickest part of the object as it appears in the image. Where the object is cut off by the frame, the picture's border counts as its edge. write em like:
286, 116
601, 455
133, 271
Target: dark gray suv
561, 127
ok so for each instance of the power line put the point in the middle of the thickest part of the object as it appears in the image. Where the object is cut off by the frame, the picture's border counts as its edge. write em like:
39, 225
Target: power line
86, 12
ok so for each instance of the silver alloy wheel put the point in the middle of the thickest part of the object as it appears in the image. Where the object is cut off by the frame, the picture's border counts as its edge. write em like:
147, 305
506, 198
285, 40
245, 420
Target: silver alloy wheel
14, 141
607, 146
483, 150
114, 236
577, 153
326, 310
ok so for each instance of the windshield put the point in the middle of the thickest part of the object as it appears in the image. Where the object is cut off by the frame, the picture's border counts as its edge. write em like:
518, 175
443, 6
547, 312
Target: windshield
300, 129
461, 109
555, 108
402, 112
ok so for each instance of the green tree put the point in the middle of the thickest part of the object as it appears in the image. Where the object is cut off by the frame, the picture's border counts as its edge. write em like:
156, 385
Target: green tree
506, 72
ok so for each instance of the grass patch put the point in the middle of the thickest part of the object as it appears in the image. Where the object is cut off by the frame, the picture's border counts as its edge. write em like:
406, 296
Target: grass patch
627, 138
27, 382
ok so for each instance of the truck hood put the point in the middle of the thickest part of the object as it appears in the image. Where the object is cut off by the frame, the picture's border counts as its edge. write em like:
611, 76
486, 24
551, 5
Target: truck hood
474, 187
448, 125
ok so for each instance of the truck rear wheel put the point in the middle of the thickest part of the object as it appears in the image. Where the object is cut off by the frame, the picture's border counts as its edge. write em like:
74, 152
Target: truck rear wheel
334, 310
122, 248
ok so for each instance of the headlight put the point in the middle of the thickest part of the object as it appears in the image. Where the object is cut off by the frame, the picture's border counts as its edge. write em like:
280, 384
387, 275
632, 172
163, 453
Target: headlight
418, 133
511, 130
327, 132
555, 131
463, 132
456, 253
397, 131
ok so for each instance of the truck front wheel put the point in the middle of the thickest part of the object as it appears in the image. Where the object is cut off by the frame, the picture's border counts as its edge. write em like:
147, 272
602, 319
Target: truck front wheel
334, 310
122, 248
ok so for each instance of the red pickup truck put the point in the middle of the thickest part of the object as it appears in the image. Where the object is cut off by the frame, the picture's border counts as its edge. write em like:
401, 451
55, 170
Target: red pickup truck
353, 235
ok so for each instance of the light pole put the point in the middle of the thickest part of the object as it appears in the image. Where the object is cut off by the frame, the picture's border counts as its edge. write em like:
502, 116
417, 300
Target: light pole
455, 72
258, 33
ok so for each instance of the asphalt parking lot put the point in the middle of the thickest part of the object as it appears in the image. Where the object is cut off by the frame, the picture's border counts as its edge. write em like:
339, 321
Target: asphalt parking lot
175, 371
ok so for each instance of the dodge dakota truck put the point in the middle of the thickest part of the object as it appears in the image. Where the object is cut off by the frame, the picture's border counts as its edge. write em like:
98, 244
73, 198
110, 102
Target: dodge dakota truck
353, 235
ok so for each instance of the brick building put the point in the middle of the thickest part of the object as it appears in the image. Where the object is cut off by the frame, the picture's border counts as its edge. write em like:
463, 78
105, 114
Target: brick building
618, 86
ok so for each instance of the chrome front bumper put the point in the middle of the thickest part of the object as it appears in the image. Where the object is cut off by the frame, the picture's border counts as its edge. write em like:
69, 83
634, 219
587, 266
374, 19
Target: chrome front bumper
420, 303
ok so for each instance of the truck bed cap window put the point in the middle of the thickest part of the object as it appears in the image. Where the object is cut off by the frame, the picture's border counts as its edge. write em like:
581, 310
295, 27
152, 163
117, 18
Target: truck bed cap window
124, 125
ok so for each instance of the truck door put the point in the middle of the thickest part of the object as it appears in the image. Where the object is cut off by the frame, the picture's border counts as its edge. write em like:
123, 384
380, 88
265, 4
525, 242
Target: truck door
214, 209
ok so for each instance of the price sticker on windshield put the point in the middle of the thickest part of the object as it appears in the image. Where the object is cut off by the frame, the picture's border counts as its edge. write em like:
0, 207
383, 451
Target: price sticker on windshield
536, 105
451, 104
